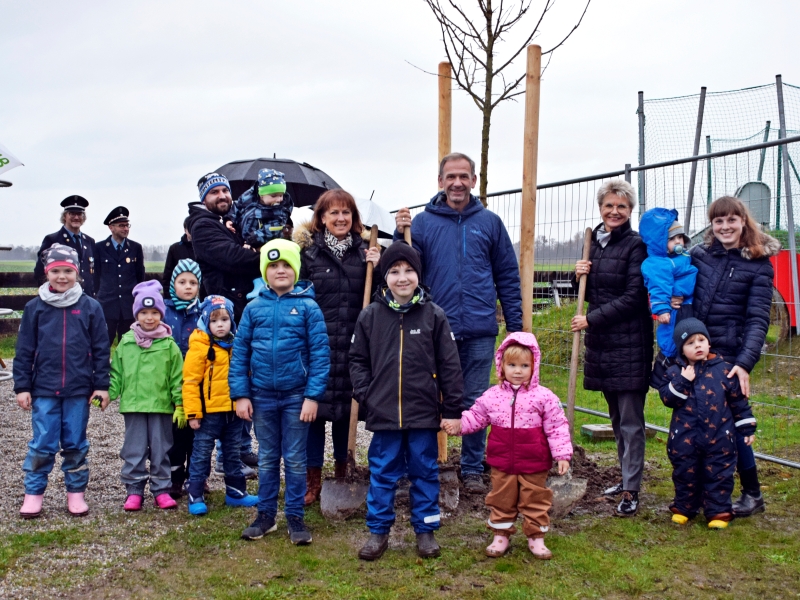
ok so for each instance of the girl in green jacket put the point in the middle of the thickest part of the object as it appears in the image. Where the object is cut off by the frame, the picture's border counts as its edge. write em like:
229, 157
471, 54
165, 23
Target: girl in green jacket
146, 373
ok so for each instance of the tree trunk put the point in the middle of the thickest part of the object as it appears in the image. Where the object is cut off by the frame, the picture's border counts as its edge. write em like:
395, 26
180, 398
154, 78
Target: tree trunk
487, 103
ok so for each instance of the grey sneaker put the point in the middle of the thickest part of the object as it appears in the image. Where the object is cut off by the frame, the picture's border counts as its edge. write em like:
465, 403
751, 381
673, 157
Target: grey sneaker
298, 532
248, 472
260, 527
218, 469
473, 484
403, 487
614, 490
250, 459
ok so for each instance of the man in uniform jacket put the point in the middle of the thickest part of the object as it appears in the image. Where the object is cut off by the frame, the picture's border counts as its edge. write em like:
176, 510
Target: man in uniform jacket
120, 266
228, 268
72, 218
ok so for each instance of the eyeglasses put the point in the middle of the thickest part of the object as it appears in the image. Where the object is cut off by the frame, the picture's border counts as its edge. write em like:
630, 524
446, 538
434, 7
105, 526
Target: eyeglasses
124, 225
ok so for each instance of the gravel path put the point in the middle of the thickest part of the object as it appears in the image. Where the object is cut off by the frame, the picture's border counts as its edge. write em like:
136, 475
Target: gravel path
114, 537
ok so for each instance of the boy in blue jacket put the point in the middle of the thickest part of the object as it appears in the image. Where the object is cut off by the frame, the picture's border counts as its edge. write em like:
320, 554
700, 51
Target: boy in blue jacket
707, 411
279, 370
667, 271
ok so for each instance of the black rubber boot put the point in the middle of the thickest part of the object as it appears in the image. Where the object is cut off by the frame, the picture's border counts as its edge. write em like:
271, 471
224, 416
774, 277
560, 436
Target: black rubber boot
427, 546
375, 547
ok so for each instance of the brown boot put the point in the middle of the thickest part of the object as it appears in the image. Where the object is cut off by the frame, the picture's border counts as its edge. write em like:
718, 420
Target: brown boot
313, 484
340, 469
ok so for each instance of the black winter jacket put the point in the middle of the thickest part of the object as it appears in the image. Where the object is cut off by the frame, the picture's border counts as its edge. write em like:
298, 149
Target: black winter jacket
62, 352
733, 297
339, 291
619, 339
176, 253
228, 268
399, 364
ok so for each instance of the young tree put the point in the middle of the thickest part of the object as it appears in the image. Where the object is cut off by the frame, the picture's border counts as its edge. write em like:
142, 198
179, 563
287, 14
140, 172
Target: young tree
471, 46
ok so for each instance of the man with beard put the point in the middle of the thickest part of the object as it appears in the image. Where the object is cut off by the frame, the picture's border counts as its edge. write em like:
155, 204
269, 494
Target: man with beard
228, 268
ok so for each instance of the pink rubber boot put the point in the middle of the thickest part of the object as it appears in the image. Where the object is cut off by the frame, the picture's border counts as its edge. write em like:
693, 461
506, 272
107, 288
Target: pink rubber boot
498, 547
31, 506
133, 503
538, 549
165, 502
76, 505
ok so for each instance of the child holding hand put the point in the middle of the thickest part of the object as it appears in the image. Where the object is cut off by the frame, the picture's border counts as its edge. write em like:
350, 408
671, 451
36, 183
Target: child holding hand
61, 363
279, 370
208, 405
529, 430
146, 373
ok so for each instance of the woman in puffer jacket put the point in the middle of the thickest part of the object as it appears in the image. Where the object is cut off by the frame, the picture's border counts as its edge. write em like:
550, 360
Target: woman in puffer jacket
732, 298
334, 258
529, 431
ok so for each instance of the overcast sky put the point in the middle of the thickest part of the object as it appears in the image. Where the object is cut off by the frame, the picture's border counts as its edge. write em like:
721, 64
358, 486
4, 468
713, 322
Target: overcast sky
130, 103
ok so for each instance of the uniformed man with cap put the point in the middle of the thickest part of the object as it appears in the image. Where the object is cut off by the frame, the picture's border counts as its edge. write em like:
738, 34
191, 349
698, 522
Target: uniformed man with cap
72, 218
120, 266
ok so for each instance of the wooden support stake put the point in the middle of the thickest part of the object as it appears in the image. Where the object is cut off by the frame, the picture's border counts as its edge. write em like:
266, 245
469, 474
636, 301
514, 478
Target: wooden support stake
445, 109
576, 338
530, 157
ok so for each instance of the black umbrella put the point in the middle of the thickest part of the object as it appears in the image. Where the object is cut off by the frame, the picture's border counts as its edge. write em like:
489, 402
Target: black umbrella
304, 182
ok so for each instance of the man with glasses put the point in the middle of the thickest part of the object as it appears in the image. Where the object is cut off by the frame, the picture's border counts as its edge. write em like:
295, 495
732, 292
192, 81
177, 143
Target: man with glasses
73, 216
120, 266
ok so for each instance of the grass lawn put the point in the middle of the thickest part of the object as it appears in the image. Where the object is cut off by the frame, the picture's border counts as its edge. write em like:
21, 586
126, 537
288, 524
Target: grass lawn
23, 266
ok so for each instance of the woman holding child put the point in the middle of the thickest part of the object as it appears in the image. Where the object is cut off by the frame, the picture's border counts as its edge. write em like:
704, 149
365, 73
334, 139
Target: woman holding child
334, 258
732, 298
619, 332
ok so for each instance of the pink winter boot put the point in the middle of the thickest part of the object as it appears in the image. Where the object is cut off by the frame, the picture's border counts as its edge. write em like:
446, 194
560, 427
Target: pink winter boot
164, 501
76, 505
31, 506
133, 503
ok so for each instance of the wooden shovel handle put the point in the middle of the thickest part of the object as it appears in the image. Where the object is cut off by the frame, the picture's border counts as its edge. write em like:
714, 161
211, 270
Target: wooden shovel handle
576, 338
351, 437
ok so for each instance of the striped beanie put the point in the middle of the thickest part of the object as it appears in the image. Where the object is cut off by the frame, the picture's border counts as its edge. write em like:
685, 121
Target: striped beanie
209, 181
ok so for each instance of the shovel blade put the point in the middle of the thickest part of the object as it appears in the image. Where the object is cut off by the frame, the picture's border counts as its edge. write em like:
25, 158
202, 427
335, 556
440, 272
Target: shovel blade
340, 498
448, 488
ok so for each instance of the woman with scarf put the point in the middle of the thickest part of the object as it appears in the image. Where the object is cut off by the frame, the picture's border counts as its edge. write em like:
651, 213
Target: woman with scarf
334, 258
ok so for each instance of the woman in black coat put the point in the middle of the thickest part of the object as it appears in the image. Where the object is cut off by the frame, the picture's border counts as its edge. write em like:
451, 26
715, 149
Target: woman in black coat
334, 258
619, 332
733, 297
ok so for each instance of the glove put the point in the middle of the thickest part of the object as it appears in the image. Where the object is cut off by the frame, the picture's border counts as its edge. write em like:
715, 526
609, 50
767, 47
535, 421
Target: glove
179, 417
96, 400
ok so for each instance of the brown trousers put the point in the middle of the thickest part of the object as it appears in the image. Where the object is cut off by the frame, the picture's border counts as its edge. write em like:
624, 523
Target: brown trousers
511, 495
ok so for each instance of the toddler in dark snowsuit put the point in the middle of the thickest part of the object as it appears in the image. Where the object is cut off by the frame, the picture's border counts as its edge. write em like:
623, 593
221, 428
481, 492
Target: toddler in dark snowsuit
708, 409
261, 213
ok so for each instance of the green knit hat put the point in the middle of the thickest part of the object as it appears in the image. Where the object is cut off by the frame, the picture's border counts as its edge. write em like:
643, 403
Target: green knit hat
280, 249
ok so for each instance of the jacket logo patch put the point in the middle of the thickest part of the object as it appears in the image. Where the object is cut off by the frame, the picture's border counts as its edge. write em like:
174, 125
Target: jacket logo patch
414, 332
293, 311
76, 312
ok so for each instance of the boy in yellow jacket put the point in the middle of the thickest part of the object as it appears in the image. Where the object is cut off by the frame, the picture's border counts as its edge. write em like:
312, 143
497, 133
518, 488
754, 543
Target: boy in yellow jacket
208, 405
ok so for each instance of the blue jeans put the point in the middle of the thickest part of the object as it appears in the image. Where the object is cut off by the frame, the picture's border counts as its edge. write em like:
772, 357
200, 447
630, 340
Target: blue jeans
245, 446
477, 357
280, 433
391, 455
316, 441
227, 428
58, 422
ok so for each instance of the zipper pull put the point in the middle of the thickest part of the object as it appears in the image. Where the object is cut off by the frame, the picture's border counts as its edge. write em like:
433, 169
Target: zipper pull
731, 273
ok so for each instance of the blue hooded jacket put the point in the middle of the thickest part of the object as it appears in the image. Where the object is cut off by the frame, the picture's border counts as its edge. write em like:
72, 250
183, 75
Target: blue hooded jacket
468, 262
665, 274
281, 345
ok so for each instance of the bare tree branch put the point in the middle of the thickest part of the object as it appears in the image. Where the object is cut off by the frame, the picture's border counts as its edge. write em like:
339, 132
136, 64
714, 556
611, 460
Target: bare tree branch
572, 30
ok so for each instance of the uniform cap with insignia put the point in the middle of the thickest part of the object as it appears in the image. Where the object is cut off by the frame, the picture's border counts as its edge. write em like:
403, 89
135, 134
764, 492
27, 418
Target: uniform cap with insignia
75, 203
118, 215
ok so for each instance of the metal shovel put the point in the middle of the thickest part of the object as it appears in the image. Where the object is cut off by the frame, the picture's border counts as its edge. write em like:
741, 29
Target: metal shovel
342, 497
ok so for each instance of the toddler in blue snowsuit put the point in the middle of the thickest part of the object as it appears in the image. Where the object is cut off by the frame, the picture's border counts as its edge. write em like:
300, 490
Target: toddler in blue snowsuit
708, 410
261, 213
667, 271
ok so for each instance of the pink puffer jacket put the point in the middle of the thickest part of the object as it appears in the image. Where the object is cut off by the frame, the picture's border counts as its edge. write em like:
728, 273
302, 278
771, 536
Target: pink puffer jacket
529, 427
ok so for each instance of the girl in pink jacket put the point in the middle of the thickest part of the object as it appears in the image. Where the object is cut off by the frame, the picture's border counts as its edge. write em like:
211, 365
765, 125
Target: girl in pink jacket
529, 430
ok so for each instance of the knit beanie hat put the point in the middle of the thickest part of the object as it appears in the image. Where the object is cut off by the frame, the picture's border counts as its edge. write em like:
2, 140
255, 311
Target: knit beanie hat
271, 181
59, 255
677, 229
148, 295
280, 249
686, 329
185, 265
210, 181
398, 251
209, 305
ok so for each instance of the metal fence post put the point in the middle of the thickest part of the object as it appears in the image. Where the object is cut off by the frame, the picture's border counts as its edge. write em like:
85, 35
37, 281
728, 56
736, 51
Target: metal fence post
787, 181
642, 182
708, 170
687, 219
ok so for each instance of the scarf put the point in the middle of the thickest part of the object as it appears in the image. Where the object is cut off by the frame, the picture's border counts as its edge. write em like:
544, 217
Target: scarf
603, 236
145, 338
62, 300
403, 308
337, 247
186, 265
226, 342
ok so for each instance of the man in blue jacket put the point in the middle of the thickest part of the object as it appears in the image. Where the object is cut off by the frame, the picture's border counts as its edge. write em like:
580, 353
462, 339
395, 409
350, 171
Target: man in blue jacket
468, 262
